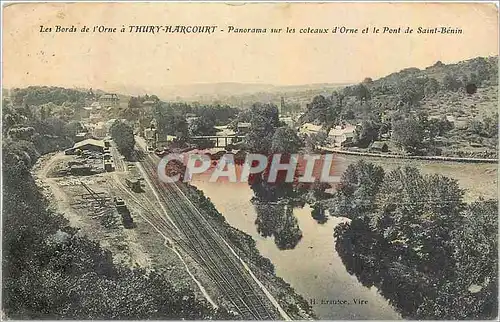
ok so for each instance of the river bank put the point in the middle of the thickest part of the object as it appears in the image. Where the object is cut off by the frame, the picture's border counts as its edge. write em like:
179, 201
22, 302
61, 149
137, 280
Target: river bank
410, 157
313, 268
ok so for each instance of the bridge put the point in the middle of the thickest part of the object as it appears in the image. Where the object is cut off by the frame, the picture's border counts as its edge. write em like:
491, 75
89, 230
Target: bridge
226, 139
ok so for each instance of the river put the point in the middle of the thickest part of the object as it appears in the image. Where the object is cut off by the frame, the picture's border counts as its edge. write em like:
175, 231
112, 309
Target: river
313, 267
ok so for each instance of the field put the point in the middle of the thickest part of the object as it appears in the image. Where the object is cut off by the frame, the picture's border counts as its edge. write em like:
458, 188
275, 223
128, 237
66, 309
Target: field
479, 180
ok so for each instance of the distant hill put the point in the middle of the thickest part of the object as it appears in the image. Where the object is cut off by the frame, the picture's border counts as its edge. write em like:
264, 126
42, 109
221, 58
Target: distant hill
431, 87
235, 94
478, 66
464, 94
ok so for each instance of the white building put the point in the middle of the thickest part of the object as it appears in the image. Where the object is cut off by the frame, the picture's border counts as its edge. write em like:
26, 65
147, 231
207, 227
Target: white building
99, 130
340, 135
287, 120
309, 128
95, 106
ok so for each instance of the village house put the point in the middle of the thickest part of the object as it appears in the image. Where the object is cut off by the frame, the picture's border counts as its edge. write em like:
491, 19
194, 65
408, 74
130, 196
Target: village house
243, 127
309, 128
190, 117
288, 120
108, 99
82, 136
99, 130
378, 146
341, 135
95, 106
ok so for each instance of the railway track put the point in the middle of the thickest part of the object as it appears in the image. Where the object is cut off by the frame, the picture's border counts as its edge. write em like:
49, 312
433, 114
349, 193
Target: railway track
211, 253
150, 213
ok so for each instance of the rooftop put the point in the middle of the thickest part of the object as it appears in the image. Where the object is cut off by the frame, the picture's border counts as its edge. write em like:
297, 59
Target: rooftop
309, 127
99, 143
347, 130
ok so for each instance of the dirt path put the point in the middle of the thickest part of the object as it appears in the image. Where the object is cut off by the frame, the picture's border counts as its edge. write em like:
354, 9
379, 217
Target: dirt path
130, 247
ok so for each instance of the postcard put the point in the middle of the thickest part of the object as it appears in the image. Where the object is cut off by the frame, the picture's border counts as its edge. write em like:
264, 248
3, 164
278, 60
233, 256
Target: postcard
250, 161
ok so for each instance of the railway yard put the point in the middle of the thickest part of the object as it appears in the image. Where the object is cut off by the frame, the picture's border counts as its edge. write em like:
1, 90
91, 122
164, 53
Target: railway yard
149, 224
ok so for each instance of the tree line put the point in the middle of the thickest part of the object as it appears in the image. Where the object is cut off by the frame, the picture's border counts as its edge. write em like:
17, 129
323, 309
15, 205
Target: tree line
50, 271
413, 237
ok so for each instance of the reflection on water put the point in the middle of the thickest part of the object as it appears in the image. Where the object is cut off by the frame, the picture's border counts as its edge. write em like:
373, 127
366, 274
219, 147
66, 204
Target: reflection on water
319, 215
310, 262
277, 220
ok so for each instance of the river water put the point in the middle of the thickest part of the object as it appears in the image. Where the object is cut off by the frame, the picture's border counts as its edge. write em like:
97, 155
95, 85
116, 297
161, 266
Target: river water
313, 267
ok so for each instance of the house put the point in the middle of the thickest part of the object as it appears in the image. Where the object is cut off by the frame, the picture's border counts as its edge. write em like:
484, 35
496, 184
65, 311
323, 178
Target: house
95, 106
309, 128
109, 123
341, 135
80, 170
95, 117
82, 136
379, 146
99, 130
164, 141
150, 136
109, 165
148, 103
87, 145
190, 117
243, 127
287, 120
108, 99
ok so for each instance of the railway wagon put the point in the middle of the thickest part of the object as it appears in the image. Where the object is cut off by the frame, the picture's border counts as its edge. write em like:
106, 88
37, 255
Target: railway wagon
121, 207
134, 184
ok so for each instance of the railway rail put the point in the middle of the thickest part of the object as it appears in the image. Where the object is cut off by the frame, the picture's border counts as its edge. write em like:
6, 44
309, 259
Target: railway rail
210, 251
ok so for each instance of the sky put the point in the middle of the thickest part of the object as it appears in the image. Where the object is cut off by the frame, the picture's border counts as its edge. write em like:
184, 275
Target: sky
145, 60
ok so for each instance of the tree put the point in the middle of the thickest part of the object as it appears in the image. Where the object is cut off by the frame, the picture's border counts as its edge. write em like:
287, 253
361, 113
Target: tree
366, 133
451, 83
315, 139
22, 133
335, 109
420, 212
410, 91
324, 110
202, 126
416, 232
264, 120
407, 133
72, 128
123, 135
357, 190
438, 64
170, 121
134, 102
471, 291
362, 92
437, 127
278, 221
491, 126
431, 87
475, 126
52, 272
285, 140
